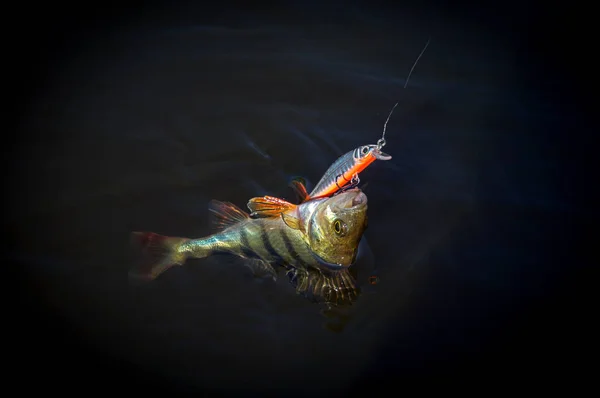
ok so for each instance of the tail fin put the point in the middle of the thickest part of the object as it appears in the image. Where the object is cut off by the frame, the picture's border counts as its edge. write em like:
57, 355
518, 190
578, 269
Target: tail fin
158, 254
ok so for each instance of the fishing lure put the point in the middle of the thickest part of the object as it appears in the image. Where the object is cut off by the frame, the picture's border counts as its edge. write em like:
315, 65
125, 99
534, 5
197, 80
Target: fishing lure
343, 173
345, 170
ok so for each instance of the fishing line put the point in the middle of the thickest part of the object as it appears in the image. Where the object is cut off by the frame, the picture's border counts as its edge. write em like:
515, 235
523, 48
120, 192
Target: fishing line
374, 278
381, 142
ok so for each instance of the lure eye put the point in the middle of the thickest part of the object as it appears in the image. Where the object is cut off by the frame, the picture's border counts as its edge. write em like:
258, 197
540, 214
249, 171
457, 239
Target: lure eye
364, 150
340, 227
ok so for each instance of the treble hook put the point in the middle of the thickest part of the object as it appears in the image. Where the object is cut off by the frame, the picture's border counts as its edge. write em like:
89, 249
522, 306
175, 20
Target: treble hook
354, 181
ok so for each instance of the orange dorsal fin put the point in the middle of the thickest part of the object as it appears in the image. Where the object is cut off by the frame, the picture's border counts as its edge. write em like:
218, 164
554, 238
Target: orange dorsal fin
225, 214
269, 206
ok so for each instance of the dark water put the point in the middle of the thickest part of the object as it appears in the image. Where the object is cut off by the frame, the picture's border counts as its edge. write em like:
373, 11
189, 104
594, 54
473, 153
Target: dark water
137, 123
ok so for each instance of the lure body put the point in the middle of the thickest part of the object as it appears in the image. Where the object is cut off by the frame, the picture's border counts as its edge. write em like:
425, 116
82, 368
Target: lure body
345, 168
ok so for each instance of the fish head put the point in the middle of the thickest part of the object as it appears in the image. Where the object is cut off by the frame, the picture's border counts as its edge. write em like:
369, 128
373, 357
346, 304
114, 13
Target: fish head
336, 227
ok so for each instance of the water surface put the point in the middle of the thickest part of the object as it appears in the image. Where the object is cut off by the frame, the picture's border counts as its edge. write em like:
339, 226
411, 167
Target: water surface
142, 127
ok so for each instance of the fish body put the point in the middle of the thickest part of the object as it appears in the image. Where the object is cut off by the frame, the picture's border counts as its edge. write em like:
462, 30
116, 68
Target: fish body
342, 171
315, 241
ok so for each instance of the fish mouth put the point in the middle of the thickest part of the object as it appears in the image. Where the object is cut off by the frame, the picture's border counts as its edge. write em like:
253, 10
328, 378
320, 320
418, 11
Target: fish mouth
352, 199
381, 155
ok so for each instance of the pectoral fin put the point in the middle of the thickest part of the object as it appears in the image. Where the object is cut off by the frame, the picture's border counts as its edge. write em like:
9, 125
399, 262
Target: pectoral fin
269, 206
291, 221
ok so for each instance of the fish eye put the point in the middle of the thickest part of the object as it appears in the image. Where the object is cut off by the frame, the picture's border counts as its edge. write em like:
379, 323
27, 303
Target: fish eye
364, 150
340, 227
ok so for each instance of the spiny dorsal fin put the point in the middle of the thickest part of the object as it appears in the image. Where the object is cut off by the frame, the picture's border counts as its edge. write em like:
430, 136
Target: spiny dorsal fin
269, 206
225, 214
299, 186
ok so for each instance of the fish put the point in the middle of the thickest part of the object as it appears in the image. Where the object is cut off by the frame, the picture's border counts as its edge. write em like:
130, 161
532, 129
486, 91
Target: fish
316, 242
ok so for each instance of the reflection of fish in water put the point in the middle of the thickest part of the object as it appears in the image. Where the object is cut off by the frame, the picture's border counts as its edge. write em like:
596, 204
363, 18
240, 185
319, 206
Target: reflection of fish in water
315, 241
